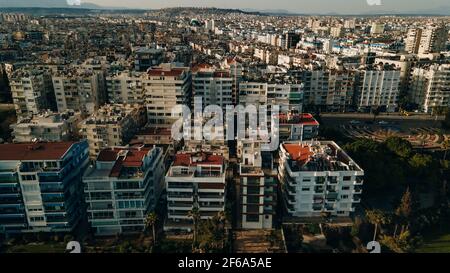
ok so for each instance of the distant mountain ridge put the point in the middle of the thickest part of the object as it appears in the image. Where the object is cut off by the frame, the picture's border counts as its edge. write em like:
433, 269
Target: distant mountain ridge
45, 4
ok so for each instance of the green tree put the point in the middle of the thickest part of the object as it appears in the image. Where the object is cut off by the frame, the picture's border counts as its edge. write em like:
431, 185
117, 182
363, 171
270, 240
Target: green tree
376, 218
446, 147
405, 242
150, 222
404, 211
213, 233
382, 168
399, 146
195, 215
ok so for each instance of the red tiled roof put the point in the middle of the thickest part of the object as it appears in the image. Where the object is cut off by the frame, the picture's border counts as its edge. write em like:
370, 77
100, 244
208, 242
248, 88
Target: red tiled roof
107, 155
298, 152
200, 67
208, 159
305, 119
155, 131
115, 171
134, 157
34, 151
174, 72
221, 74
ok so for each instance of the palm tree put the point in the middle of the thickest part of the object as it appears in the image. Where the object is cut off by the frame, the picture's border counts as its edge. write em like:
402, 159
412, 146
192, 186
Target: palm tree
446, 146
195, 215
377, 218
150, 221
405, 210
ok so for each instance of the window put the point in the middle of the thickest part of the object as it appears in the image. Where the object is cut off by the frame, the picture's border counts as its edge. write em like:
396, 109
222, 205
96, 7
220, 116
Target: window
347, 178
252, 218
37, 219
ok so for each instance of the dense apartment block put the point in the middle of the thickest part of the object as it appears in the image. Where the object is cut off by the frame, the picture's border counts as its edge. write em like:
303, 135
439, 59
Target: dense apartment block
318, 177
430, 87
112, 125
145, 58
47, 126
288, 96
430, 39
166, 87
214, 86
79, 89
194, 180
40, 186
31, 91
125, 87
122, 187
378, 87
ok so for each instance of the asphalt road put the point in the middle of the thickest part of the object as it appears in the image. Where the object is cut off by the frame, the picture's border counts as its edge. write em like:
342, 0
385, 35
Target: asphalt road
402, 123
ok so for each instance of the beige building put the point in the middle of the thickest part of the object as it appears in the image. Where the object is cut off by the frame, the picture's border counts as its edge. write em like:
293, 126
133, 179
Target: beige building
125, 87
31, 89
79, 89
112, 125
166, 87
47, 126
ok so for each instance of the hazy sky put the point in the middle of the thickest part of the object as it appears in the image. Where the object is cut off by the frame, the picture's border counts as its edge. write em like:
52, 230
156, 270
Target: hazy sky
291, 5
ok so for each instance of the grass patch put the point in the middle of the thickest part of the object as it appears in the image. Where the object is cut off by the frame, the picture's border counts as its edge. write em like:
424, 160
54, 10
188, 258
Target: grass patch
436, 240
37, 248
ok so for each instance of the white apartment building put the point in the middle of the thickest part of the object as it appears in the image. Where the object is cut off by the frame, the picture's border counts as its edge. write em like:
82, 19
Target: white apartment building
258, 186
126, 87
289, 96
378, 88
430, 87
412, 41
315, 86
377, 28
318, 177
122, 187
79, 89
40, 186
433, 39
341, 87
112, 125
166, 87
31, 89
194, 180
47, 126
214, 86
338, 32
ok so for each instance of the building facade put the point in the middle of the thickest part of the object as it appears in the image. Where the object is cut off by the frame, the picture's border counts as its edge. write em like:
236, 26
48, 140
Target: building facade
194, 180
318, 177
122, 187
40, 186
112, 125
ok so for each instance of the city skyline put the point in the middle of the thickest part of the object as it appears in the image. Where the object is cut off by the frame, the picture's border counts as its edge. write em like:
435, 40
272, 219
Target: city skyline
283, 6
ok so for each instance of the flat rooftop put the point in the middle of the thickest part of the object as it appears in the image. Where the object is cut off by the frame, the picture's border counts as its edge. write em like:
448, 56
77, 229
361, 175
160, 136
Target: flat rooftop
34, 151
305, 119
317, 156
193, 159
